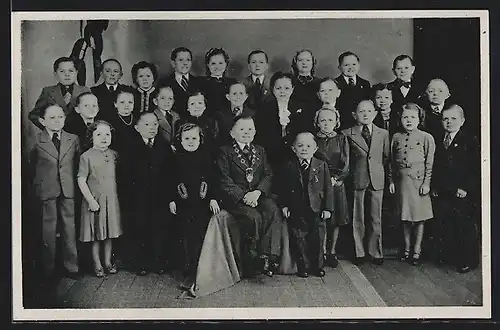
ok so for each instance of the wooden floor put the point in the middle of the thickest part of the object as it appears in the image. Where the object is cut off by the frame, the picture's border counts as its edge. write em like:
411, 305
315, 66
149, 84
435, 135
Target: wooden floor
393, 284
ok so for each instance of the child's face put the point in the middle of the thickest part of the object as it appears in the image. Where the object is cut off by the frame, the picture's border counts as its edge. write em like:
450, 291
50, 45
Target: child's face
145, 78
437, 92
304, 146
283, 89
66, 73
383, 100
124, 104
452, 120
147, 126
165, 99
88, 107
111, 72
404, 69
182, 63
328, 92
409, 119
101, 137
196, 105
349, 66
243, 131
190, 140
305, 63
54, 118
327, 120
365, 113
217, 65
258, 64
237, 95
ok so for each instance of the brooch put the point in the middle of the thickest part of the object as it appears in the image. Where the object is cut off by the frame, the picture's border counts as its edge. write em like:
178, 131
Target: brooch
181, 189
203, 190
299, 110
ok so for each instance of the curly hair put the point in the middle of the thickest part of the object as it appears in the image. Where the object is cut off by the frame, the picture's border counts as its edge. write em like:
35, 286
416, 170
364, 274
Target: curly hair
89, 135
184, 128
213, 52
295, 70
143, 65
415, 107
333, 110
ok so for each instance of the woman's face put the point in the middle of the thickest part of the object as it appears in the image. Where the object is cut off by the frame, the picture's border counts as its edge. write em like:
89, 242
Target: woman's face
101, 137
304, 63
145, 78
196, 105
217, 65
124, 104
283, 89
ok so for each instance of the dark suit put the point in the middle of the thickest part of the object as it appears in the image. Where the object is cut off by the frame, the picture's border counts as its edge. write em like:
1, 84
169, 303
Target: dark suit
52, 95
457, 219
349, 98
106, 99
181, 95
307, 195
151, 178
398, 99
393, 125
215, 91
367, 171
259, 226
54, 179
432, 123
307, 94
257, 96
75, 124
167, 125
225, 122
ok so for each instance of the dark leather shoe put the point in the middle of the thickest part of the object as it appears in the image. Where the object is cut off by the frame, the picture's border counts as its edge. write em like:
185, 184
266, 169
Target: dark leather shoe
358, 261
464, 269
320, 273
332, 261
302, 274
377, 261
266, 268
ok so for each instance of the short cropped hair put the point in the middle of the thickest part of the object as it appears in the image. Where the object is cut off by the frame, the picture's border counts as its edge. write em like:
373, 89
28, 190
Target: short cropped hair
112, 60
158, 89
236, 83
79, 97
345, 54
62, 60
241, 117
400, 58
457, 107
44, 110
178, 50
257, 51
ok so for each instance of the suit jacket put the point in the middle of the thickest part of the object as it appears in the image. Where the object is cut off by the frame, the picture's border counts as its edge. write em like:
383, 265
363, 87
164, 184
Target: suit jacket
106, 100
257, 98
233, 167
180, 95
166, 129
349, 98
74, 124
52, 95
225, 118
432, 123
398, 99
367, 162
54, 173
459, 166
215, 92
319, 187
394, 122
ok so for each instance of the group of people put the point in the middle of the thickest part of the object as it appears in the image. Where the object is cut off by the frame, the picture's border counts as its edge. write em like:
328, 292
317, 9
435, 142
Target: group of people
152, 163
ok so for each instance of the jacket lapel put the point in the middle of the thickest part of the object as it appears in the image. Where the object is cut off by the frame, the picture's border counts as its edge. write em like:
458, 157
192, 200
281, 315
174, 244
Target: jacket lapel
313, 170
164, 125
356, 136
47, 145
375, 136
237, 157
66, 142
55, 93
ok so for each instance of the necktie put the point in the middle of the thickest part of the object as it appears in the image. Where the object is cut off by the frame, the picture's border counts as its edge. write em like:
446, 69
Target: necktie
447, 140
67, 97
304, 165
56, 141
150, 142
184, 83
237, 111
88, 123
351, 81
111, 89
257, 83
168, 116
436, 109
246, 152
365, 132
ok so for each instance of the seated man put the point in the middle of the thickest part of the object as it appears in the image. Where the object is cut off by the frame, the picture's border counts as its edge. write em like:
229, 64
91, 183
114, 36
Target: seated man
245, 182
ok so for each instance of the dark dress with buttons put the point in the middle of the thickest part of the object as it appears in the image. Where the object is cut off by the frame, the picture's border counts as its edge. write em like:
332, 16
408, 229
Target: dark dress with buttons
412, 160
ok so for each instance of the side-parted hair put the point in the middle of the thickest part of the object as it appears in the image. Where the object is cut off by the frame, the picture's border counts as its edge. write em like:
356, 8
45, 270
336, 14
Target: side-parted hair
415, 107
280, 75
305, 132
90, 131
257, 51
143, 65
213, 52
124, 90
380, 87
80, 97
241, 117
44, 110
400, 58
144, 113
184, 128
345, 54
457, 107
236, 83
178, 50
322, 80
365, 100
158, 89
62, 60
111, 60
295, 70
333, 110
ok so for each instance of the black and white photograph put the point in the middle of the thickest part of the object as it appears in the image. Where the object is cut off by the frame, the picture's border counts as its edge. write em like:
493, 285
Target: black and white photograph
250, 165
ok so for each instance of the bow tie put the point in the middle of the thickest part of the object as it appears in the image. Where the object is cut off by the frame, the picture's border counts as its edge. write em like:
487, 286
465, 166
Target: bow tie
218, 79
305, 79
406, 84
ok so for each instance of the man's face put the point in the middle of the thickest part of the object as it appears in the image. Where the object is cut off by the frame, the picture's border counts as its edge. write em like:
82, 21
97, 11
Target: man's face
111, 72
182, 63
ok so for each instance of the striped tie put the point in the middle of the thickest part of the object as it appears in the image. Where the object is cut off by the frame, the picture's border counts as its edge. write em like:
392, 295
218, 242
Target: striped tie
184, 83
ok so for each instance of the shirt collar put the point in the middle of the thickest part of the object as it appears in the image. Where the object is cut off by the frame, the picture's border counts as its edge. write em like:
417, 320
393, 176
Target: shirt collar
115, 86
261, 78
346, 78
453, 134
370, 127
85, 121
242, 145
146, 140
65, 89
178, 76
439, 106
51, 133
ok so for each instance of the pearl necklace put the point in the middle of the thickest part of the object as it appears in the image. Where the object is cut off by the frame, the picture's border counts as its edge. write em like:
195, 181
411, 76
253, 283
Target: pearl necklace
131, 119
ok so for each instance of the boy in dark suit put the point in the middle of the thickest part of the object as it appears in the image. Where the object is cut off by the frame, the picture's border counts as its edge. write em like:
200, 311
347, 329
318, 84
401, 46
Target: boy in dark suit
435, 100
369, 152
63, 94
54, 160
306, 199
183, 83
258, 82
404, 88
106, 92
455, 187
150, 172
163, 98
245, 186
236, 96
86, 110
353, 88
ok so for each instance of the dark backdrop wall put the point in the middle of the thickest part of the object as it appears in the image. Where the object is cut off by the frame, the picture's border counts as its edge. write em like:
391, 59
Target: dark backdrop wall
376, 41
